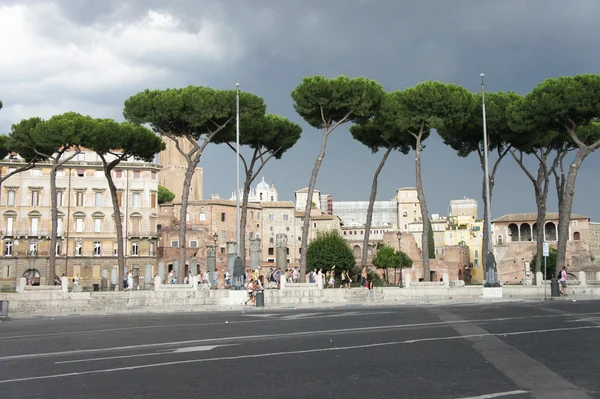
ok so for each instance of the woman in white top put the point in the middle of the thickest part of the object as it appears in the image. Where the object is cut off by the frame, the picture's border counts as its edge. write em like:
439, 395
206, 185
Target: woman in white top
320, 279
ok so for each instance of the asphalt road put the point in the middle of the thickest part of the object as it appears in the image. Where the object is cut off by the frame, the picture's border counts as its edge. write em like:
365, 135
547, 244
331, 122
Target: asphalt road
515, 350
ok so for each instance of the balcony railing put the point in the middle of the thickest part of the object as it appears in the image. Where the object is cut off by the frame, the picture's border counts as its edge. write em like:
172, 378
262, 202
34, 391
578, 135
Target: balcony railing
143, 234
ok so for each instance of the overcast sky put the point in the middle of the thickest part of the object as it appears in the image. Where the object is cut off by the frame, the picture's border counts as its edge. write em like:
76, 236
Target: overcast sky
88, 56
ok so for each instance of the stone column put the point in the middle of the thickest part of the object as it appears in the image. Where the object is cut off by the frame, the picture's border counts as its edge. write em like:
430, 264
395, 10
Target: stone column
254, 253
161, 271
114, 276
597, 276
194, 266
64, 284
231, 255
281, 252
582, 279
446, 280
148, 277
539, 279
211, 260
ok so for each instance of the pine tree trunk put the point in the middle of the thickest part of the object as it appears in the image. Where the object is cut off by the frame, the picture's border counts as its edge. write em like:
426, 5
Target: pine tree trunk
424, 213
370, 207
307, 208
118, 222
244, 218
53, 228
541, 196
185, 196
54, 214
566, 206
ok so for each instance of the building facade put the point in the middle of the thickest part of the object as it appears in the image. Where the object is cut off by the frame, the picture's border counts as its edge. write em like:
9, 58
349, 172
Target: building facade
87, 242
515, 237
173, 166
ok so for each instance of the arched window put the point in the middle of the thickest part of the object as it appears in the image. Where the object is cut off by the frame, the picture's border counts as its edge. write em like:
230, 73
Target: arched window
203, 217
576, 236
500, 240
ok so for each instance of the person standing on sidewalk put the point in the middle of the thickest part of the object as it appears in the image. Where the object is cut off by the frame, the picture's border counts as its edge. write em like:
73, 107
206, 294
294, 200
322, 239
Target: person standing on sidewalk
563, 281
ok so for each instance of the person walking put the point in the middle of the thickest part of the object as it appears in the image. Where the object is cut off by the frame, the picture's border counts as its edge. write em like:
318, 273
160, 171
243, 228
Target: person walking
563, 281
363, 277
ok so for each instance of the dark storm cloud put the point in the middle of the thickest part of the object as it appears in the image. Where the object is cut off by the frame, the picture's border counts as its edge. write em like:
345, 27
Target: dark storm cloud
517, 43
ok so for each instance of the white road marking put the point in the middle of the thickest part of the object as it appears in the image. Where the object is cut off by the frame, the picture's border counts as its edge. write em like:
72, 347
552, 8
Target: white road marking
263, 336
367, 313
159, 353
497, 395
195, 349
260, 315
261, 355
299, 316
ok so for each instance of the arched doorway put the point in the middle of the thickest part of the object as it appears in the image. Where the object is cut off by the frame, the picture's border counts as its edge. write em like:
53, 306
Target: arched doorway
32, 275
356, 250
576, 236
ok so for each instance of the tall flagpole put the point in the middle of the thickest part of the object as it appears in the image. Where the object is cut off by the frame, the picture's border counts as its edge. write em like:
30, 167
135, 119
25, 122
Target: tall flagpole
237, 158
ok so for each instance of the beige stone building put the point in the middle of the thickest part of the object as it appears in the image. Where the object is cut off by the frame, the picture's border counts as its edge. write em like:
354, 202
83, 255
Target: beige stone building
409, 208
515, 238
173, 166
86, 230
595, 241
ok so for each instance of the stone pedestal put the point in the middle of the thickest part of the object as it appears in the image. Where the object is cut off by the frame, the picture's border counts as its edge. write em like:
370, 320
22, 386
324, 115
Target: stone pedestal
114, 276
194, 283
527, 281
446, 280
492, 292
582, 279
231, 255
254, 253
161, 271
194, 266
597, 276
281, 253
148, 276
157, 282
211, 259
539, 279
64, 284
407, 281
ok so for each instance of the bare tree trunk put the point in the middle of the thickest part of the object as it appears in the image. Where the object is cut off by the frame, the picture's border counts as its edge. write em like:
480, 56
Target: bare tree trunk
566, 206
54, 213
185, 197
371, 205
108, 167
307, 208
53, 227
244, 218
540, 186
424, 212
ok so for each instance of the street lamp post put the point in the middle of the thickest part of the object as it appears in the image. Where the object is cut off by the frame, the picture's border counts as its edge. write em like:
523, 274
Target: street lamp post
490, 261
237, 159
400, 252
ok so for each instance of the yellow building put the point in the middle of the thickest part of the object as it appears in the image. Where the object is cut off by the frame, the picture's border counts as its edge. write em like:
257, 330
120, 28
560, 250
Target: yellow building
87, 242
465, 229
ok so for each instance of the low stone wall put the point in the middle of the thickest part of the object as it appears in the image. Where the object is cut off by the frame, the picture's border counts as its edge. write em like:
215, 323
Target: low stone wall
40, 301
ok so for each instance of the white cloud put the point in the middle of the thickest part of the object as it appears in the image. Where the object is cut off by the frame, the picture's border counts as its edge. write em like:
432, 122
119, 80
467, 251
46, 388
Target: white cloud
49, 62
